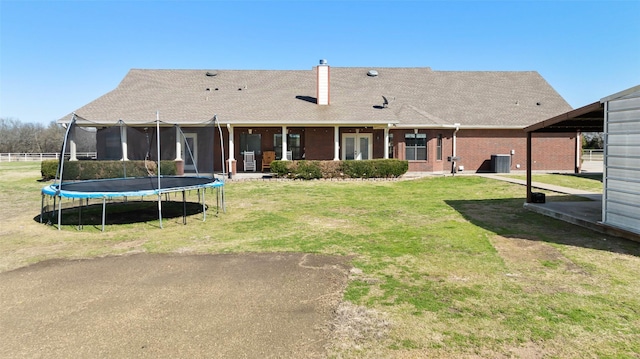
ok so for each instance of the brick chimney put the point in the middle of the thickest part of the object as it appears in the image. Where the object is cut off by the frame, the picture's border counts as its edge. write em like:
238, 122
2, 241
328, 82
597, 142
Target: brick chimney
322, 97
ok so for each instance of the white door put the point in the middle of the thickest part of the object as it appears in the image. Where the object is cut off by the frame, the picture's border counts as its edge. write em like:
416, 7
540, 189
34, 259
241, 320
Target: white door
357, 146
190, 148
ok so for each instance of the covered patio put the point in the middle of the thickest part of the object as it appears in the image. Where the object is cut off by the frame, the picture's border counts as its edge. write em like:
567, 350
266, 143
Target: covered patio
589, 213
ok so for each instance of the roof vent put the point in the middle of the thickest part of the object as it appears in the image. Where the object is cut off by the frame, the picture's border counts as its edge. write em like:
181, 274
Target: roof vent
212, 73
372, 73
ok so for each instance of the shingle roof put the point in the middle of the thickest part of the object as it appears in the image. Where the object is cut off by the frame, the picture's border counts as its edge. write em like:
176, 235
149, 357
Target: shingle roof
418, 97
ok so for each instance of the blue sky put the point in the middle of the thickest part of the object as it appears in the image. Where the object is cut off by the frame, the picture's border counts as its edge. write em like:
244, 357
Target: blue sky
56, 56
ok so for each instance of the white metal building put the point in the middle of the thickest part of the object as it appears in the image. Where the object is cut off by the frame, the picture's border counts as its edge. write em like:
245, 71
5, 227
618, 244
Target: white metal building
621, 177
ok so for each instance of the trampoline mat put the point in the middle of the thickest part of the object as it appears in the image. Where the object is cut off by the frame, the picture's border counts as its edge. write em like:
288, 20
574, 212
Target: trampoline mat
135, 184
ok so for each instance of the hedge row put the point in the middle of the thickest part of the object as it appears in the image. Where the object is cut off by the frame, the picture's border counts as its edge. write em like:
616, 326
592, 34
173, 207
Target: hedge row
84, 170
379, 168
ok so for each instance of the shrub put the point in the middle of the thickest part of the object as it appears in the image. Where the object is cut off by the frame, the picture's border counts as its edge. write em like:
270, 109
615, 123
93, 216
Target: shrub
357, 169
308, 170
280, 168
331, 169
83, 170
48, 169
378, 168
390, 168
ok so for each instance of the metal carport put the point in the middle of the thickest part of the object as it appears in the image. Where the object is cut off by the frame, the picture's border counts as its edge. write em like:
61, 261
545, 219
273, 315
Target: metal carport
618, 116
589, 118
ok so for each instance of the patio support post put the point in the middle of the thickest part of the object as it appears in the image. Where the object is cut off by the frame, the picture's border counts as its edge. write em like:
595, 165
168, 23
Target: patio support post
232, 150
578, 152
529, 167
178, 160
284, 143
178, 145
336, 143
72, 144
123, 137
386, 142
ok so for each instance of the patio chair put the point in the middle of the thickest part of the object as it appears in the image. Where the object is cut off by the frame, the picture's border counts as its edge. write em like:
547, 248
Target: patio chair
267, 158
289, 155
249, 161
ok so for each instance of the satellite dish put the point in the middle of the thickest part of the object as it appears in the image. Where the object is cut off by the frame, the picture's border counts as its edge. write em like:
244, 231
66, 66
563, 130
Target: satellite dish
386, 102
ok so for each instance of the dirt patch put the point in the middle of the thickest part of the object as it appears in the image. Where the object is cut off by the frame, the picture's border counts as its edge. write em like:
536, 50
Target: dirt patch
525, 254
356, 328
535, 264
223, 306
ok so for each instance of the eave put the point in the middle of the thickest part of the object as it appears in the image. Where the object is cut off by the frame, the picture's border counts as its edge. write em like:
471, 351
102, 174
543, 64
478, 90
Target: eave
589, 118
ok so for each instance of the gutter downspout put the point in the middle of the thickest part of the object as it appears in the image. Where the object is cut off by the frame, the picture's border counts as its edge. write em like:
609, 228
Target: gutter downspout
454, 154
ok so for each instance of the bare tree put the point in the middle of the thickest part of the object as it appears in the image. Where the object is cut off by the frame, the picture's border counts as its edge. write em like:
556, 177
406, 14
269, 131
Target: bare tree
9, 135
593, 140
18, 137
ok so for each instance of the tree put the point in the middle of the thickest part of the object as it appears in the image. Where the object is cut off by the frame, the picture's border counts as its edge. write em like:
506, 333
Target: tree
9, 135
17, 137
51, 137
593, 140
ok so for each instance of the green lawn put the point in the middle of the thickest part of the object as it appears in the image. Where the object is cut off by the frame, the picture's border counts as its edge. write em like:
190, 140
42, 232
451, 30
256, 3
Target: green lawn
454, 265
584, 181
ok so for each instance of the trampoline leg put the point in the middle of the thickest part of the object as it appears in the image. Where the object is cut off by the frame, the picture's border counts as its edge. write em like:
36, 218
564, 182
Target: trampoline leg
224, 208
160, 208
60, 214
204, 208
42, 208
104, 211
53, 211
80, 214
184, 208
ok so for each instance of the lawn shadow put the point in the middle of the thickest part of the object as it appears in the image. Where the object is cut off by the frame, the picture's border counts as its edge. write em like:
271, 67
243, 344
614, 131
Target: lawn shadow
508, 218
119, 213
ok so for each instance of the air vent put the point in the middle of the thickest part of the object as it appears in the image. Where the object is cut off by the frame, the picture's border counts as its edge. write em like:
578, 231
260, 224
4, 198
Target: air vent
212, 73
372, 73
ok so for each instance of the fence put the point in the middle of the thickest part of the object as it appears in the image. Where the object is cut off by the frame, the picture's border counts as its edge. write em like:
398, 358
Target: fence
16, 157
593, 155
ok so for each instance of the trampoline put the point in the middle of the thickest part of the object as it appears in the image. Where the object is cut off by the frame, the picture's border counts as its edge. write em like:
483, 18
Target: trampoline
125, 187
129, 187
